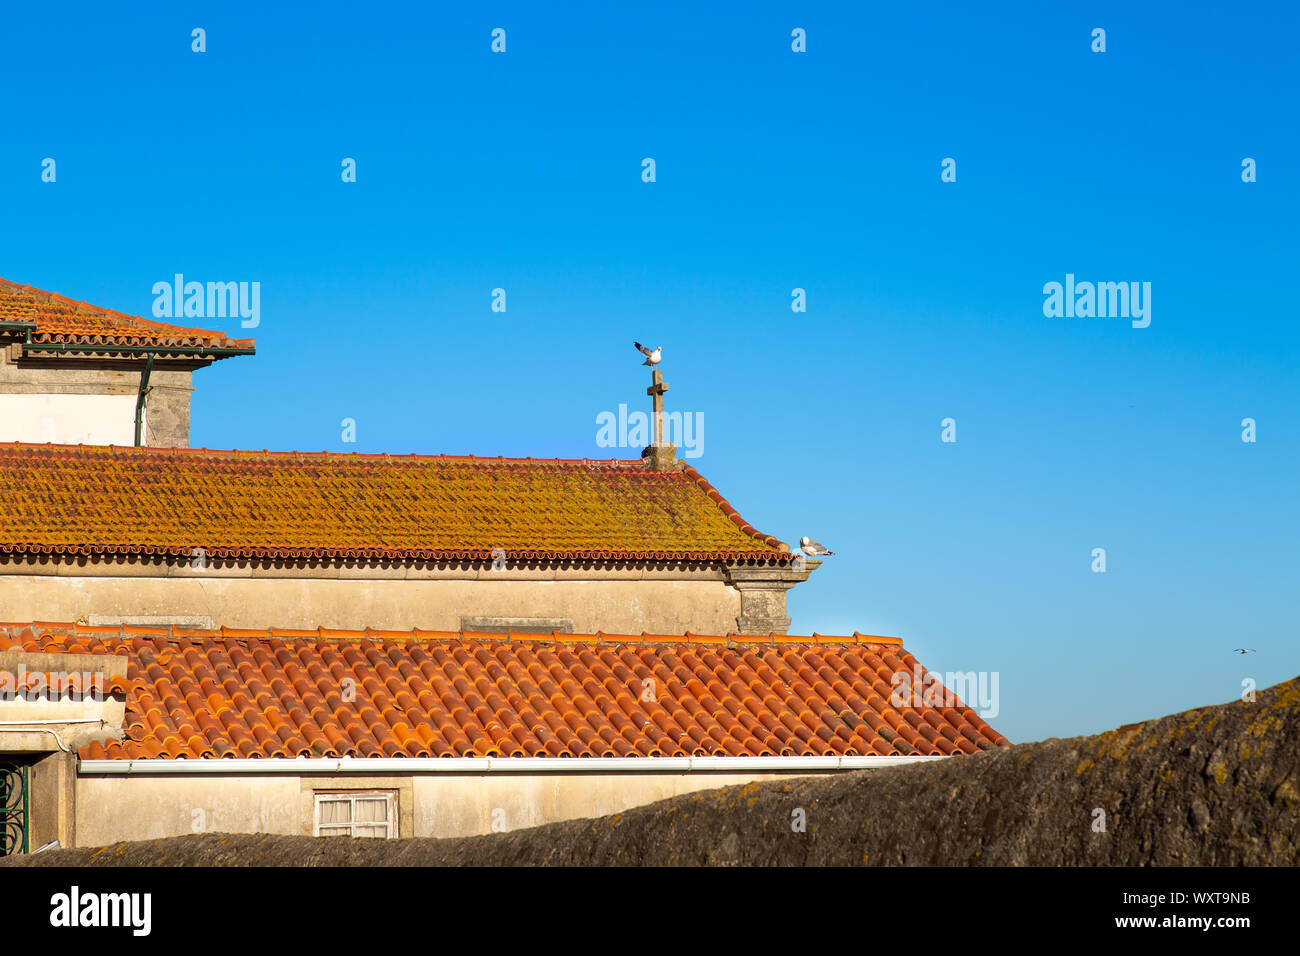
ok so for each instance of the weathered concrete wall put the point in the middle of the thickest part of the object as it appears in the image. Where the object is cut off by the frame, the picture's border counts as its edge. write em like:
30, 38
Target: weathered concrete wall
53, 806
167, 411
81, 403
447, 806
614, 604
429, 805
153, 807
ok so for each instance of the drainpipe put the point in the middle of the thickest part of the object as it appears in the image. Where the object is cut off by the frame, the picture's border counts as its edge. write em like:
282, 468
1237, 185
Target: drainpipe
150, 355
36, 726
139, 399
30, 347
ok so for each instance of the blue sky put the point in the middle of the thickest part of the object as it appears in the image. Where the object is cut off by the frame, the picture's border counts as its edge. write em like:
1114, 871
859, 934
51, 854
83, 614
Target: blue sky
775, 170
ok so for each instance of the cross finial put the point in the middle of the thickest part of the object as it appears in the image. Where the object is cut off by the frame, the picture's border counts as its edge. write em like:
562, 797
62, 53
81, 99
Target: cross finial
656, 390
661, 455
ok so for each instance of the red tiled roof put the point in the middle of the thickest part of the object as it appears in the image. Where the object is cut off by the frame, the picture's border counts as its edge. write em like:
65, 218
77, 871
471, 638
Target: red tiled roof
52, 685
73, 499
57, 320
325, 693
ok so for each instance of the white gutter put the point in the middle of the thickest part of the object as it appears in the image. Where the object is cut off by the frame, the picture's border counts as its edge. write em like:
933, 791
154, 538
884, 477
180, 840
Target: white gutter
475, 765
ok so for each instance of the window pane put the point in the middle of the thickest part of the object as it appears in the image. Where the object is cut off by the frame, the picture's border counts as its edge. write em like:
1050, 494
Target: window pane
335, 811
370, 810
362, 813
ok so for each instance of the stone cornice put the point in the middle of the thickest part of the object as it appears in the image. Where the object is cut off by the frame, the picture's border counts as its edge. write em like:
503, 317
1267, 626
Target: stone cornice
160, 566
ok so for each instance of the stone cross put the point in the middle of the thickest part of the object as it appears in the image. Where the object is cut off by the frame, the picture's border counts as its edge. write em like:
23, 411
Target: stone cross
657, 388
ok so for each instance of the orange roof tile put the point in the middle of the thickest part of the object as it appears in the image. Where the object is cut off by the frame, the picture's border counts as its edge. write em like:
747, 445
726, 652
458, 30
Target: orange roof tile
267, 696
52, 319
52, 685
116, 500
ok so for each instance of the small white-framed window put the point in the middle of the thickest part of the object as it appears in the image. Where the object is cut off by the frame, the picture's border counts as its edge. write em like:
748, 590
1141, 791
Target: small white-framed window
356, 813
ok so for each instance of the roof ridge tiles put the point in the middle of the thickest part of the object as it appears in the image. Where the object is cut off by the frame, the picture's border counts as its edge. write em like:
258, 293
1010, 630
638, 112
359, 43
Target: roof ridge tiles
420, 635
632, 464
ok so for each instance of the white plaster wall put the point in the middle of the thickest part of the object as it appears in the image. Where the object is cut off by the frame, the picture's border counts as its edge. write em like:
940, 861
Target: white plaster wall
68, 419
445, 804
453, 806
149, 808
612, 605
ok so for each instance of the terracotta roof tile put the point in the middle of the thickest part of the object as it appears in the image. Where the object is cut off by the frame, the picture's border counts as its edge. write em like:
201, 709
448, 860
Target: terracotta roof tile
259, 694
61, 499
53, 319
54, 685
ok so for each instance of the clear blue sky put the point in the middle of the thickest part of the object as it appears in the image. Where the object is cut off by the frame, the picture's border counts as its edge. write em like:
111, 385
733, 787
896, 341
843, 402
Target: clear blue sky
775, 170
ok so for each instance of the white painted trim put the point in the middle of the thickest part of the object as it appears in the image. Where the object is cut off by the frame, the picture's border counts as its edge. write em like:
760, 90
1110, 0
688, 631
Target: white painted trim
300, 766
390, 820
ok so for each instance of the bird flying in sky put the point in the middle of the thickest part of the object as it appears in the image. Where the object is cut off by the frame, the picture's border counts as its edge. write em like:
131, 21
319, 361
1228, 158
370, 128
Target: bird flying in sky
1243, 650
652, 357
813, 548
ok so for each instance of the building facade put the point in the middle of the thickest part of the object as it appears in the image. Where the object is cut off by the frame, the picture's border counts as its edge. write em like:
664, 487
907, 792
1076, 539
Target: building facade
200, 538
382, 645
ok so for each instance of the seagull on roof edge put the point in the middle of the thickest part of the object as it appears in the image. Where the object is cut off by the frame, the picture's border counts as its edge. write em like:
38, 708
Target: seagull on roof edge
652, 356
813, 548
